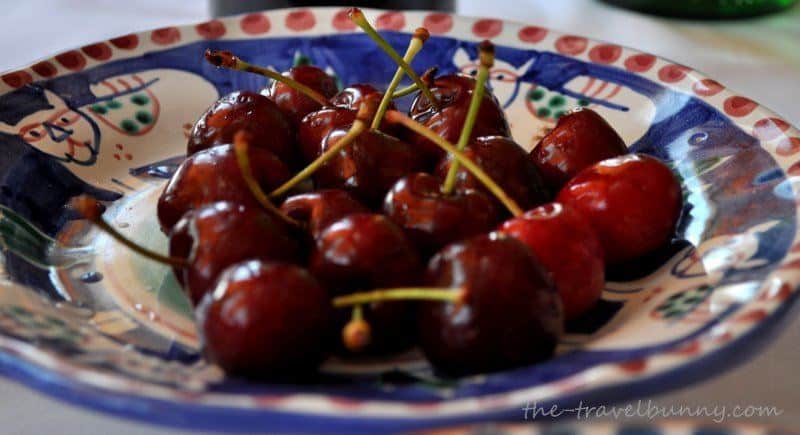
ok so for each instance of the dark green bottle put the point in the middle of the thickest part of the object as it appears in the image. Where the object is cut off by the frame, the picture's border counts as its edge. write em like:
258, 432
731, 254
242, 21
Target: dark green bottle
705, 9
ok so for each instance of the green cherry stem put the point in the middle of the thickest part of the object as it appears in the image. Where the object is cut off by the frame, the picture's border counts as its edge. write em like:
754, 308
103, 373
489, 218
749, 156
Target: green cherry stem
398, 294
89, 208
241, 146
358, 18
486, 56
408, 90
417, 41
226, 59
365, 113
399, 118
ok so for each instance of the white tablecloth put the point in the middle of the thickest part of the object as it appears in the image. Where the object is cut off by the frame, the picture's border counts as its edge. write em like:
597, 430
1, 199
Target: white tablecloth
759, 58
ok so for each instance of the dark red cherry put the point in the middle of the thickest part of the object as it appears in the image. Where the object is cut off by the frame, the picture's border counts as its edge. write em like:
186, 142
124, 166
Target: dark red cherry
266, 320
220, 234
295, 104
633, 202
580, 139
269, 128
352, 96
321, 208
432, 219
369, 166
363, 252
213, 175
317, 125
507, 164
567, 246
510, 314
454, 92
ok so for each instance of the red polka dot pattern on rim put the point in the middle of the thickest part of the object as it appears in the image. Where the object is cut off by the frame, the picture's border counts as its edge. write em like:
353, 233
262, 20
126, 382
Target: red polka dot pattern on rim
17, 79
672, 73
98, 51
127, 42
640, 63
634, 366
72, 60
390, 21
707, 88
255, 24
438, 23
755, 315
341, 21
605, 53
165, 36
487, 28
532, 34
300, 20
45, 69
769, 128
794, 170
213, 29
571, 45
738, 106
788, 146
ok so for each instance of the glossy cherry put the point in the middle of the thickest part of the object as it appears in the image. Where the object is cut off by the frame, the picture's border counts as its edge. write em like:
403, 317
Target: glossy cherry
633, 202
352, 96
510, 314
366, 251
294, 103
432, 219
213, 175
266, 320
453, 92
507, 164
218, 235
269, 128
567, 246
369, 166
580, 139
321, 208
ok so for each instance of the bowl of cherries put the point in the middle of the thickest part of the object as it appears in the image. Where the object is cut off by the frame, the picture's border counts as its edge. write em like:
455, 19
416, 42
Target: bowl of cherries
365, 254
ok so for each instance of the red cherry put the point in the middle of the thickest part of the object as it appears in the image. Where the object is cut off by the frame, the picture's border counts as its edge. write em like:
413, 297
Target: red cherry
510, 314
633, 202
213, 175
580, 139
244, 110
321, 208
218, 235
432, 219
454, 92
295, 104
507, 164
567, 246
266, 320
317, 125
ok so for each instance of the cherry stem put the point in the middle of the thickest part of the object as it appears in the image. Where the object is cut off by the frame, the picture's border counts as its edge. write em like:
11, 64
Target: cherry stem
357, 17
365, 113
400, 293
226, 59
89, 208
356, 334
410, 89
475, 170
417, 41
486, 56
241, 147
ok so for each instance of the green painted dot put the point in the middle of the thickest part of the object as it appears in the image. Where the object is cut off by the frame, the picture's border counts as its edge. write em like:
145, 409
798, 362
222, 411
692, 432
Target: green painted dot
559, 114
113, 104
144, 117
557, 101
140, 99
129, 126
99, 109
535, 94
543, 112
583, 102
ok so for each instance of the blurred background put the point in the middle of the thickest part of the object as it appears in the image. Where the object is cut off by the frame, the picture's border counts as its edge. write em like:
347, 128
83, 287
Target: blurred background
752, 46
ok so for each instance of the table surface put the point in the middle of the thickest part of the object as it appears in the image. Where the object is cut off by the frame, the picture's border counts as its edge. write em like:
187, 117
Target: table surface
759, 58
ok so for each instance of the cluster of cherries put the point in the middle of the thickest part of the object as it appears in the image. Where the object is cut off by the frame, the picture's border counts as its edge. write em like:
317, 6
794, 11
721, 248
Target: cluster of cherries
302, 220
